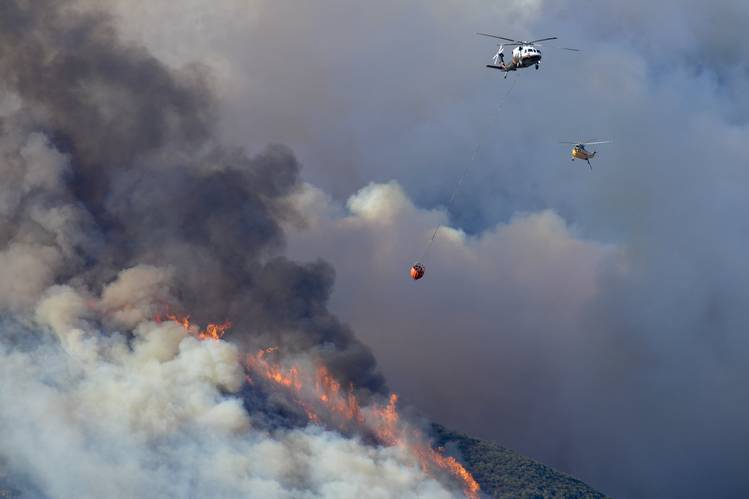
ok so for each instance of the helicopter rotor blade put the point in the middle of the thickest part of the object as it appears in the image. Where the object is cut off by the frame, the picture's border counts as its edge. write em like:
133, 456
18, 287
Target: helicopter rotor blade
498, 37
542, 40
556, 48
598, 142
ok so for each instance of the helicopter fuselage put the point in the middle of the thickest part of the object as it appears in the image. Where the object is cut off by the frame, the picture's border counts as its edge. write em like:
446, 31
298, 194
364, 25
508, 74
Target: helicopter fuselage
582, 153
524, 56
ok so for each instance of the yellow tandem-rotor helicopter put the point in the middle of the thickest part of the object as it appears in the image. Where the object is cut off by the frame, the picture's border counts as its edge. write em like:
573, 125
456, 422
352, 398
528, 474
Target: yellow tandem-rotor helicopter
579, 151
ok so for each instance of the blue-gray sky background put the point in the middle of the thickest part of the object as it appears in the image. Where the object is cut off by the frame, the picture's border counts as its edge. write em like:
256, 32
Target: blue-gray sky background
593, 320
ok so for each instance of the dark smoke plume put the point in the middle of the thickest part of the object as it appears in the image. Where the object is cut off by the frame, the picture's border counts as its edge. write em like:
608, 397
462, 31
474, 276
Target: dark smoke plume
142, 180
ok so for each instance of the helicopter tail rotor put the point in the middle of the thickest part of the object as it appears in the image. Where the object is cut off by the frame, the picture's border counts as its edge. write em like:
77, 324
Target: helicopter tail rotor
499, 55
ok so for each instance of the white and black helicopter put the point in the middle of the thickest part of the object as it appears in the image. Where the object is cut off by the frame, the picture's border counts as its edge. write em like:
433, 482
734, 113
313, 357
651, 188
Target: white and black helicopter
524, 55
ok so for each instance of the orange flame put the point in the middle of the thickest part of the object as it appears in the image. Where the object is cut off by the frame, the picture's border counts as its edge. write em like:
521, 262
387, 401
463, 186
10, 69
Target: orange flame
387, 427
212, 331
340, 407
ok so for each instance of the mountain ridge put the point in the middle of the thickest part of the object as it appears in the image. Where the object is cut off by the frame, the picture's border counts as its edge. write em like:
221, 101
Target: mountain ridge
501, 472
504, 473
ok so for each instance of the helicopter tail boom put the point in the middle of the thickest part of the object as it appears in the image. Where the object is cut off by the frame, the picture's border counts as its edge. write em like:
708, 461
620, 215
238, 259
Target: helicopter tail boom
503, 67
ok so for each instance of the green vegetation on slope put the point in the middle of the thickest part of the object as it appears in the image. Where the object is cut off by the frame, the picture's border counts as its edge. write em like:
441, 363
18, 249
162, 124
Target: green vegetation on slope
505, 473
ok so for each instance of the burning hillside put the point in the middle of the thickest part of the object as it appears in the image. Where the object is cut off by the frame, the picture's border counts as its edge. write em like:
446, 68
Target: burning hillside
117, 197
325, 402
151, 410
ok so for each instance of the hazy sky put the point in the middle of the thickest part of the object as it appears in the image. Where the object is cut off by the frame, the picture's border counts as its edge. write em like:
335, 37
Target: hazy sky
593, 320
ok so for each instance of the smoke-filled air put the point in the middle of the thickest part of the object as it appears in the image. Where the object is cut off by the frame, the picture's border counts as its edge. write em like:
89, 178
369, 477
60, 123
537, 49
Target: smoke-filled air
315, 249
133, 241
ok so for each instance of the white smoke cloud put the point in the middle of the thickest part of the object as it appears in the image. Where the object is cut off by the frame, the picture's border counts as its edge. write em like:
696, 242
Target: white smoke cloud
42, 226
398, 90
659, 324
130, 299
100, 398
489, 344
154, 412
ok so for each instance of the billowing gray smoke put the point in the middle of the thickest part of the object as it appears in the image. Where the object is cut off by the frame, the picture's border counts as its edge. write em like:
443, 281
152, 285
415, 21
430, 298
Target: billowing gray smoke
144, 181
117, 203
595, 321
